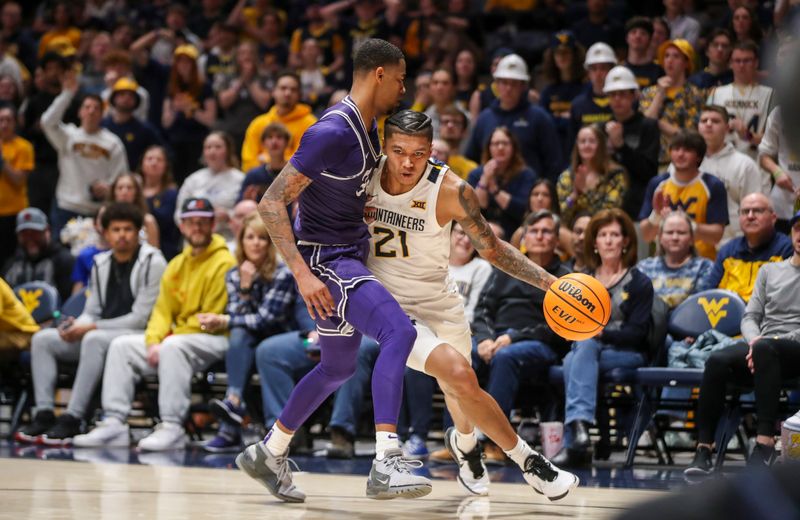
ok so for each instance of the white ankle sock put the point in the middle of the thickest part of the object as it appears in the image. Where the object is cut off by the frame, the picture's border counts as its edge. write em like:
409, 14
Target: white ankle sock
385, 441
520, 452
466, 442
277, 441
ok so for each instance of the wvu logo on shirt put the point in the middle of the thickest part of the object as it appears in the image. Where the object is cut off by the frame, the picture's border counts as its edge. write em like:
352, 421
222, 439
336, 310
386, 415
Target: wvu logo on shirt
91, 151
684, 205
714, 309
419, 204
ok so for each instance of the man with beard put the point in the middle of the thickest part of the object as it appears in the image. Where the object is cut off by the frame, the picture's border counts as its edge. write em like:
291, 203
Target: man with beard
174, 345
36, 257
135, 134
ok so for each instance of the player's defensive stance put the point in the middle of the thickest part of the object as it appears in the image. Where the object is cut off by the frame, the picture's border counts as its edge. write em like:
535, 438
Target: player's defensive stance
411, 206
329, 174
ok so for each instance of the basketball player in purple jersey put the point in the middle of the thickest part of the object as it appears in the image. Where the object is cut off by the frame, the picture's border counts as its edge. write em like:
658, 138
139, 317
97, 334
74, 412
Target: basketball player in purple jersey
329, 174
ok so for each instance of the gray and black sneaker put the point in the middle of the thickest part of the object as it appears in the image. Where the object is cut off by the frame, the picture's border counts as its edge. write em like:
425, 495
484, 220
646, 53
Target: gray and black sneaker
472, 473
272, 471
392, 478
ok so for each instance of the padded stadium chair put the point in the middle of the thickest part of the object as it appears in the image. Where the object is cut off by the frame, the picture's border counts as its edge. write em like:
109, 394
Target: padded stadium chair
74, 305
626, 377
713, 309
40, 298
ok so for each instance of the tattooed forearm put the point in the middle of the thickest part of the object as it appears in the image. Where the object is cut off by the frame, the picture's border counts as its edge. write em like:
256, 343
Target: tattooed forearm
272, 208
501, 254
474, 224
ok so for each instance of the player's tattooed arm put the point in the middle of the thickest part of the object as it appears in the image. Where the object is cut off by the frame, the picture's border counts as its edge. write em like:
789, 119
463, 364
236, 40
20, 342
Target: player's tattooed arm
498, 252
284, 190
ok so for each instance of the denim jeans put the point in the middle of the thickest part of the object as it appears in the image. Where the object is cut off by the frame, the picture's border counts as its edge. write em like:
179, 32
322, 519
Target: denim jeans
417, 410
281, 361
350, 396
582, 368
509, 365
239, 359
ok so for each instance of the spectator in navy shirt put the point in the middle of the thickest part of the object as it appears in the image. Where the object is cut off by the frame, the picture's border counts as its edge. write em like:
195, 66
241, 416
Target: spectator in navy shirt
274, 140
161, 196
136, 135
531, 126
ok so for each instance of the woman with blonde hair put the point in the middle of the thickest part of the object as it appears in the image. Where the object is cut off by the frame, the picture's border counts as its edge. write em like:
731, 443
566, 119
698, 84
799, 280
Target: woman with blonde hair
261, 300
593, 181
677, 271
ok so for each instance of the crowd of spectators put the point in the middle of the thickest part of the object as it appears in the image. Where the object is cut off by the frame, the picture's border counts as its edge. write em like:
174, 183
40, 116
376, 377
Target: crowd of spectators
136, 138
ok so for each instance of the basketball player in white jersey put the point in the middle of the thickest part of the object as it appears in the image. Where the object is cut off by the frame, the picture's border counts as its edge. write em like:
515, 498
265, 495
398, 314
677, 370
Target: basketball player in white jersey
411, 205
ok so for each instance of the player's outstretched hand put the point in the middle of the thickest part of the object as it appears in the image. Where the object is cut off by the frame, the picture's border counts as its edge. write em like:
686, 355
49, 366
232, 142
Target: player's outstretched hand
319, 301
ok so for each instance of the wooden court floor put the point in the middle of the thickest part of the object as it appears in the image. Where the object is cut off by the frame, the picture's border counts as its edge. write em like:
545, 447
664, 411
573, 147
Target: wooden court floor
53, 490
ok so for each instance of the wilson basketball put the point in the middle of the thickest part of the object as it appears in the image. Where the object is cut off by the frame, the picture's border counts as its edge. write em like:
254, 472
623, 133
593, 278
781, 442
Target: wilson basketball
577, 306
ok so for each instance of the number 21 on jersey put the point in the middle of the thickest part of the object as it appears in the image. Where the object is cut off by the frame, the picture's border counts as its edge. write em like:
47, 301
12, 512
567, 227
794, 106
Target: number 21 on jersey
383, 249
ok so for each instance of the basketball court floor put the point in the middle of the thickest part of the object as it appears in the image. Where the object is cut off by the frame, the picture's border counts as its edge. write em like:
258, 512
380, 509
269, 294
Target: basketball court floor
119, 484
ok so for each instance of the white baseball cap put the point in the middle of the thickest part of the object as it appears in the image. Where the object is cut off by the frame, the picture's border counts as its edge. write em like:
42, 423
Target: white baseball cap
600, 53
620, 78
512, 67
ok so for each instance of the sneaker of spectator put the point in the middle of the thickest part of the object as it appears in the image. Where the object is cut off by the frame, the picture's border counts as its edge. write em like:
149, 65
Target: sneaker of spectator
165, 436
66, 427
109, 433
42, 422
228, 439
415, 448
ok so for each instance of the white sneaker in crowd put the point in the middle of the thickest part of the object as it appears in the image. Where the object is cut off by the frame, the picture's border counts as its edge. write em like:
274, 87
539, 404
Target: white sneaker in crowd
108, 433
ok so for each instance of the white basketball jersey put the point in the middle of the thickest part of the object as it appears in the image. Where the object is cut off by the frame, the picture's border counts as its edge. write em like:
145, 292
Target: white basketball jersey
409, 250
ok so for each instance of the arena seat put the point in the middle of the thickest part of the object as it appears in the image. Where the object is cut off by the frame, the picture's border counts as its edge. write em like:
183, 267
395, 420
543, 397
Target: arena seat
716, 309
40, 298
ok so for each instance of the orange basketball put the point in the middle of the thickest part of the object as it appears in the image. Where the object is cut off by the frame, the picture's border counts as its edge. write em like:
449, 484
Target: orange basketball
577, 306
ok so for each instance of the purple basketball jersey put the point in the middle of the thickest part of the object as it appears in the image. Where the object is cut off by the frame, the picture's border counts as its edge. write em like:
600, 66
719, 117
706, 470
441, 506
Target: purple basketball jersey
338, 154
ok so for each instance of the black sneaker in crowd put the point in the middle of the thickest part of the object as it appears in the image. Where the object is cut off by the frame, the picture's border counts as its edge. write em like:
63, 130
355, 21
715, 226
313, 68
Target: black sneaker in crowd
66, 427
761, 457
341, 446
701, 464
42, 421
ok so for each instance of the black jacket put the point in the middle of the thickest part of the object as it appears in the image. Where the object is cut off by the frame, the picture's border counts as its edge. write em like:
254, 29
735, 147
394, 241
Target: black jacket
507, 303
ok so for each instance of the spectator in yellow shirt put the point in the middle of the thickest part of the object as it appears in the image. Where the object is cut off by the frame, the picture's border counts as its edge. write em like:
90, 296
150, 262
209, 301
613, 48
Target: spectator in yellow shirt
288, 110
16, 162
16, 323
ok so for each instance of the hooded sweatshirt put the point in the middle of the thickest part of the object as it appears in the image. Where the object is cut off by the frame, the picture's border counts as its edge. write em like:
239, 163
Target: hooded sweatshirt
145, 278
14, 317
741, 176
190, 285
296, 121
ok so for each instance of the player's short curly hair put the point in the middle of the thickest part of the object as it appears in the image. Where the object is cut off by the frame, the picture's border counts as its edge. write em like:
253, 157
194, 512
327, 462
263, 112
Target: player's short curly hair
374, 53
408, 122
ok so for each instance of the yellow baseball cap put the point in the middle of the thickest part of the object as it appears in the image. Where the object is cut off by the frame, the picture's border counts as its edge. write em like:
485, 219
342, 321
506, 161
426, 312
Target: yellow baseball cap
190, 51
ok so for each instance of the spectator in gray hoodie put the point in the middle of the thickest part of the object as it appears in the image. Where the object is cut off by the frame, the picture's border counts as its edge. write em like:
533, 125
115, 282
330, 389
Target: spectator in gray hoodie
123, 287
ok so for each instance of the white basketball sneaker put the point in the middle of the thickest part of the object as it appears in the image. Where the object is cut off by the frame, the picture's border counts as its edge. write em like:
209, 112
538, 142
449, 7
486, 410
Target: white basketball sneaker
547, 479
108, 433
472, 473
